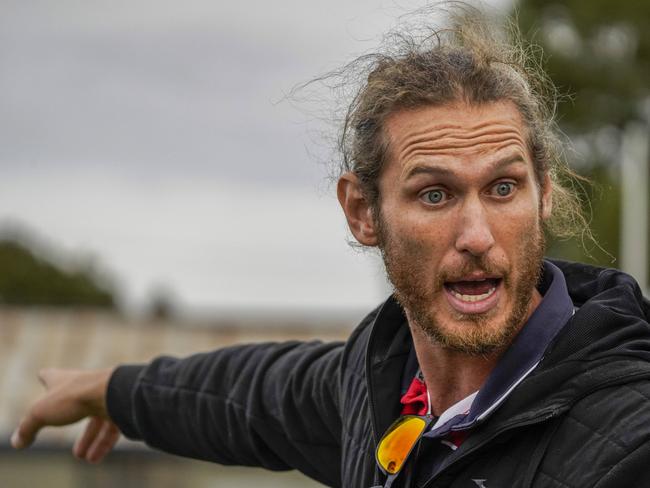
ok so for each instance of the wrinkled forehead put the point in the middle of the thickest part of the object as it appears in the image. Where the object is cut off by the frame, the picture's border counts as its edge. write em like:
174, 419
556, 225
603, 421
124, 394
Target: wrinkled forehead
455, 132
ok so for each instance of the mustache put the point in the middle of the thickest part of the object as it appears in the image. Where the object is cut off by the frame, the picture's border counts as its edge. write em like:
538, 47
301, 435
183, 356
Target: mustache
473, 264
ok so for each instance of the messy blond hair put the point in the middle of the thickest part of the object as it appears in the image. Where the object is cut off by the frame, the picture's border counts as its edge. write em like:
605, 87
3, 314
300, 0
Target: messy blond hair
477, 59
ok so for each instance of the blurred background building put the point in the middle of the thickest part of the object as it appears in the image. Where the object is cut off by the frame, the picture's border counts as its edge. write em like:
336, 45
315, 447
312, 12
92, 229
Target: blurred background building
160, 193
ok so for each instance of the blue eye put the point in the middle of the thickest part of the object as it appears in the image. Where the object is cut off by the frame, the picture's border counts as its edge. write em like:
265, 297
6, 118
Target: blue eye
504, 188
434, 196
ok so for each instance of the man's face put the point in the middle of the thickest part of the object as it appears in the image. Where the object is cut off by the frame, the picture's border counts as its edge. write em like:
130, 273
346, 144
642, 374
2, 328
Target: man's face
459, 223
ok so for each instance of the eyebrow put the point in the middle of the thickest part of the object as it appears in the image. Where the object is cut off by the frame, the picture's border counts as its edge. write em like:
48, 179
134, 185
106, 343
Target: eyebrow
438, 170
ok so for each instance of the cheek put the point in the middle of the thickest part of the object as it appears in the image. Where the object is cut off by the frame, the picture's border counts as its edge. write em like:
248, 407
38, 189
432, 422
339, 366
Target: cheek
516, 223
419, 237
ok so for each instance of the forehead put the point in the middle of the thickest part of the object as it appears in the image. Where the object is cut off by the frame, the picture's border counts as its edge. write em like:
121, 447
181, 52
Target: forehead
459, 135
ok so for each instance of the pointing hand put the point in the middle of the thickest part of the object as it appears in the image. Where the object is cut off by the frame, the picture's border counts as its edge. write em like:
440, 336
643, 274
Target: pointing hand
72, 395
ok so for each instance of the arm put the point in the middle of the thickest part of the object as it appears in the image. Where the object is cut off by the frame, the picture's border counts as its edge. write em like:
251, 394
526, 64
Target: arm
270, 405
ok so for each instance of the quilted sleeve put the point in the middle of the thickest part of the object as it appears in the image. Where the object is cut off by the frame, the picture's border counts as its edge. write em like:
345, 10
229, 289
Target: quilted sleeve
273, 405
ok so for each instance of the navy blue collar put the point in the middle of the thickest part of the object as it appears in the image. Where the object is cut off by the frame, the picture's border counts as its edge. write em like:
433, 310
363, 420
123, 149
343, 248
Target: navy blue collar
523, 355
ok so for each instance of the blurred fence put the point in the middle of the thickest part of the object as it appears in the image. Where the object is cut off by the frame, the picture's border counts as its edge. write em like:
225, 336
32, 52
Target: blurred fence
134, 469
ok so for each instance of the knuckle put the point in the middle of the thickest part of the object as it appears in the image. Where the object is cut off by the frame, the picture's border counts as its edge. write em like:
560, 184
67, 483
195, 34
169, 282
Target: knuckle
43, 373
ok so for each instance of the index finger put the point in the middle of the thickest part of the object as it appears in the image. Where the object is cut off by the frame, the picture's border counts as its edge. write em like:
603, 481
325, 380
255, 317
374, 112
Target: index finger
26, 432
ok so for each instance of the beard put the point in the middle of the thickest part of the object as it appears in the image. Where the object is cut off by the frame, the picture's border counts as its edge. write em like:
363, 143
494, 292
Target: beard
475, 334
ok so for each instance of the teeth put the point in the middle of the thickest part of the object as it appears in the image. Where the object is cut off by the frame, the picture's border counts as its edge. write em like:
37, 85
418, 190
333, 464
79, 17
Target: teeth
473, 298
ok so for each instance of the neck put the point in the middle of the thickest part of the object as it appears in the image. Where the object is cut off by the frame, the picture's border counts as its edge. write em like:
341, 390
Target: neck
451, 375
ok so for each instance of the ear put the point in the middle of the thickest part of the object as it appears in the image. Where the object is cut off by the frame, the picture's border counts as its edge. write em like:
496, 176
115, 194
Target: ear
357, 209
547, 197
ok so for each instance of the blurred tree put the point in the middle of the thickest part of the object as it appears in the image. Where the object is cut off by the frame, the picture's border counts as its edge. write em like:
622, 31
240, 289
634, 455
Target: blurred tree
26, 279
597, 50
598, 53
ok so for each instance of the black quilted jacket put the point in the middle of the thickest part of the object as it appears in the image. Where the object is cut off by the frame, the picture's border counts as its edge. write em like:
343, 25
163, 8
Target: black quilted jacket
581, 419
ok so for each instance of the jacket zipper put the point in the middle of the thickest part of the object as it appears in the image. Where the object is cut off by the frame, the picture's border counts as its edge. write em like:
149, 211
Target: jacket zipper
371, 395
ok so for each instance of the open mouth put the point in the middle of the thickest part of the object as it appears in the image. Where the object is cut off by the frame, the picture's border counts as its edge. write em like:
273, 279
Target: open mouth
473, 295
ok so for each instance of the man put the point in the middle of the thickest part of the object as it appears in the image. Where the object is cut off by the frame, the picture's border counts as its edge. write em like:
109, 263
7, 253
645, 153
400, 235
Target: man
525, 372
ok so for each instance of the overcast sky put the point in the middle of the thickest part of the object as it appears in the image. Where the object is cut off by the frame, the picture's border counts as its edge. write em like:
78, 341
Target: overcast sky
153, 136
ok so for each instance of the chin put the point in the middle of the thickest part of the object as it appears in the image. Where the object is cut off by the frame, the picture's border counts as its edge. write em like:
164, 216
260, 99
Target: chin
474, 334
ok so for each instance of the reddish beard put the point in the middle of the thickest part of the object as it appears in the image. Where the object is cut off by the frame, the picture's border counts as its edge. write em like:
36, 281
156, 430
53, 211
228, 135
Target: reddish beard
415, 291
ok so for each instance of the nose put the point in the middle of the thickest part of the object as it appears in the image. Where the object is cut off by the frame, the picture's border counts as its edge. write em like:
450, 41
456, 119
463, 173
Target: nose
474, 234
